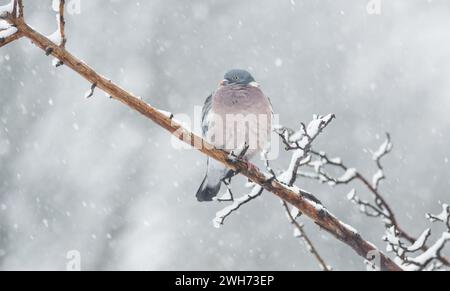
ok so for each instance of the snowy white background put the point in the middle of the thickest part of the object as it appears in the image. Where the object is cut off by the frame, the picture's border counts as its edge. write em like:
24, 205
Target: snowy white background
93, 176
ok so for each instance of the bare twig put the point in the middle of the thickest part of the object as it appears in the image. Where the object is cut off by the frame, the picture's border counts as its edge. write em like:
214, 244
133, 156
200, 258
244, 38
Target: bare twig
14, 11
62, 23
91, 91
309, 245
20, 4
9, 39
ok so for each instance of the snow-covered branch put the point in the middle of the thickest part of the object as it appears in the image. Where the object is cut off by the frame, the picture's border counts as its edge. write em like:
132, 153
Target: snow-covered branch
59, 36
431, 258
300, 142
8, 30
379, 206
8, 9
444, 216
237, 203
283, 188
384, 149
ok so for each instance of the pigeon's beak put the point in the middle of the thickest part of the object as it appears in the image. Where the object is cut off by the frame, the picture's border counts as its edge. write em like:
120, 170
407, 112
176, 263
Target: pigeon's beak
223, 82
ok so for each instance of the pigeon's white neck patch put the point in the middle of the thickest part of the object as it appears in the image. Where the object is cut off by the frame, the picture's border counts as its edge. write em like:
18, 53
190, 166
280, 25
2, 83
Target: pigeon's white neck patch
254, 84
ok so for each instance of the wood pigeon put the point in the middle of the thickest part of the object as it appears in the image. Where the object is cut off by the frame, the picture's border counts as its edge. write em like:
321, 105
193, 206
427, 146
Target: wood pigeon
236, 115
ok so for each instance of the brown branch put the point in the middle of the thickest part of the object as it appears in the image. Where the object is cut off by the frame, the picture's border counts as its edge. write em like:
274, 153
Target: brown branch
62, 23
20, 4
320, 215
306, 239
11, 38
14, 11
13, 15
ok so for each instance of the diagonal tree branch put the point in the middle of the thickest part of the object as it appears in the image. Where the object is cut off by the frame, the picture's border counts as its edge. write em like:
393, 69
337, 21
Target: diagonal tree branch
292, 195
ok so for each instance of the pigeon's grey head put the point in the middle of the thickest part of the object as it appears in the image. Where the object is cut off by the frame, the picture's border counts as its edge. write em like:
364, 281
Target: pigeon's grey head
240, 77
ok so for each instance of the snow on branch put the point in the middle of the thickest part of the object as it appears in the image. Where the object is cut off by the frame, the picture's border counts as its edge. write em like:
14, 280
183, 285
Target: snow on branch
444, 216
379, 206
384, 149
430, 259
433, 254
7, 9
300, 142
8, 30
59, 36
366, 207
237, 203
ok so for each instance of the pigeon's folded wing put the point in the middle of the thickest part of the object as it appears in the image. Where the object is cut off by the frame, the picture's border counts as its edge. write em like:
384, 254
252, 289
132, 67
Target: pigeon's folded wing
205, 113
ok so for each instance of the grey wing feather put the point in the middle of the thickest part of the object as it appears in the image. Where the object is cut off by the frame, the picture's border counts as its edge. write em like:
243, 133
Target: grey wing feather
205, 111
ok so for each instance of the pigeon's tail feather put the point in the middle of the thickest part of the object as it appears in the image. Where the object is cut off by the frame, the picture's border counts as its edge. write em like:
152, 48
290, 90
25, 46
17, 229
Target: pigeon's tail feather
210, 186
207, 192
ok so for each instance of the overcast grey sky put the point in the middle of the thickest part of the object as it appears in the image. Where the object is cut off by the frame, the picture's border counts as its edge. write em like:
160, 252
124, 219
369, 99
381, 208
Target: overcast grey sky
93, 176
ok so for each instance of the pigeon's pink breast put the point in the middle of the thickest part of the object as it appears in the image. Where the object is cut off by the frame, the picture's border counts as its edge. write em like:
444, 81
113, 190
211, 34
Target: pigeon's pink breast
239, 115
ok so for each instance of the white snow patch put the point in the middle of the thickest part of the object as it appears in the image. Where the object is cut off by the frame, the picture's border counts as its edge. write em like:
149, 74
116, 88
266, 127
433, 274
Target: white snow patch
295, 212
4, 24
56, 36
377, 177
220, 215
8, 8
8, 32
347, 176
351, 195
166, 114
420, 241
443, 216
336, 160
383, 149
226, 196
349, 227
433, 251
